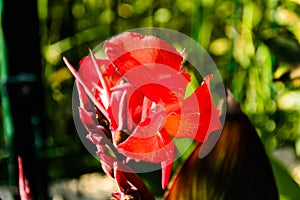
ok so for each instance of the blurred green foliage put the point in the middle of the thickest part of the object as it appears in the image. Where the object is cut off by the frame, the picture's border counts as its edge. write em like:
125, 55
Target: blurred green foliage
255, 44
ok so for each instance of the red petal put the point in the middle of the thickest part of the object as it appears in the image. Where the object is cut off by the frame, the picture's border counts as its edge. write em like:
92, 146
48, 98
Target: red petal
209, 114
172, 124
135, 106
84, 100
117, 111
159, 82
158, 93
84, 91
146, 142
166, 169
114, 108
149, 149
129, 50
198, 116
88, 73
88, 119
107, 161
129, 183
116, 195
166, 166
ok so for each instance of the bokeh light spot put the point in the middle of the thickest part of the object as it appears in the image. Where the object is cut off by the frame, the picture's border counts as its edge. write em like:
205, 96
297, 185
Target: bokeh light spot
162, 15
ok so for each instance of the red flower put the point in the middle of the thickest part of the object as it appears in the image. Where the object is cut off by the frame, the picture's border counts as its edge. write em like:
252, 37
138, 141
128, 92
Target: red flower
139, 93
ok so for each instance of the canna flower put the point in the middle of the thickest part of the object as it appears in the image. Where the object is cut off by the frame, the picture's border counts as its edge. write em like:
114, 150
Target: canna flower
139, 103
